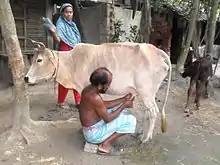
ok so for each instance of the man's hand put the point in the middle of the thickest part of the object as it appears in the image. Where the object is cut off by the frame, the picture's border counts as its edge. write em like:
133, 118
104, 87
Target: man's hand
128, 103
128, 96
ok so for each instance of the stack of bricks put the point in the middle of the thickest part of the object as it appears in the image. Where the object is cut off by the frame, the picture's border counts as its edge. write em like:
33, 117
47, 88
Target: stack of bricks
91, 148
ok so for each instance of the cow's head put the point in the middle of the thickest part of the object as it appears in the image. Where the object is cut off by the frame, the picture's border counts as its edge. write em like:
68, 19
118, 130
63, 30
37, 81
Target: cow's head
43, 66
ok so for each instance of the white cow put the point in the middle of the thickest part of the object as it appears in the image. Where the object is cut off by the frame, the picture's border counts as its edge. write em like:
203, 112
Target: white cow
138, 68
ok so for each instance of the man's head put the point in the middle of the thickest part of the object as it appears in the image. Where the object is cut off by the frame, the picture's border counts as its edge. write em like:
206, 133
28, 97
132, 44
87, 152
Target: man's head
67, 11
101, 78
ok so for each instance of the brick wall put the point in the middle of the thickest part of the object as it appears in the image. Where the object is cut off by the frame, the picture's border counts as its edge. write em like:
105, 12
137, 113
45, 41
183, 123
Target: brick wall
161, 32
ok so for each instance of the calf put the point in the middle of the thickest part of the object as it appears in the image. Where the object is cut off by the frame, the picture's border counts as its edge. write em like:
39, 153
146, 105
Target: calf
199, 72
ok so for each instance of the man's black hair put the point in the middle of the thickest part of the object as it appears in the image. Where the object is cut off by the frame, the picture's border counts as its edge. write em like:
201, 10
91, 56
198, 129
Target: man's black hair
99, 76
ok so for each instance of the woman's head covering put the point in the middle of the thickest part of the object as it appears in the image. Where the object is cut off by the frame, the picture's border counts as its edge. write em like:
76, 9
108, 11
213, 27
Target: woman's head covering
64, 6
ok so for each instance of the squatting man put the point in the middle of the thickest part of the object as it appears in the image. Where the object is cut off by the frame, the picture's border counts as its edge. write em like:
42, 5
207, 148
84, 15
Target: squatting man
104, 121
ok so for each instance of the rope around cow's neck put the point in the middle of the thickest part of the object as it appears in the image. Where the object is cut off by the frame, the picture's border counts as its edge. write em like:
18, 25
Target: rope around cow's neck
54, 75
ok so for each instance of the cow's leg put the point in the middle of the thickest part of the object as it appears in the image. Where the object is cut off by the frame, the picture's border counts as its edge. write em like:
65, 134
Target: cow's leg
199, 87
150, 116
206, 89
192, 82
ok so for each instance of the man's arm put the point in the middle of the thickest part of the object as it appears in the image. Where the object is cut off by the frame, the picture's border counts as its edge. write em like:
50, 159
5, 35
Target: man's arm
113, 103
102, 111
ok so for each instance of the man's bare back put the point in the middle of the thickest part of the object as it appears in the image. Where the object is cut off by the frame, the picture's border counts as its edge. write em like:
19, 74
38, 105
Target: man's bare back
87, 112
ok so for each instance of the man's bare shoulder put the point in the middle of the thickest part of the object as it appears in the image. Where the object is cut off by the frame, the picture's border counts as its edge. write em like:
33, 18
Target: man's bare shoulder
91, 96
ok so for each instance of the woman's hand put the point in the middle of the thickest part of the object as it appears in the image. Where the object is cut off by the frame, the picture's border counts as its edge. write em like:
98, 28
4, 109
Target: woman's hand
53, 29
49, 25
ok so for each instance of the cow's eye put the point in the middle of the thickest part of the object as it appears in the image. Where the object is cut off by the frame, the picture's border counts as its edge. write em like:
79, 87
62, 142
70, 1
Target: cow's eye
39, 60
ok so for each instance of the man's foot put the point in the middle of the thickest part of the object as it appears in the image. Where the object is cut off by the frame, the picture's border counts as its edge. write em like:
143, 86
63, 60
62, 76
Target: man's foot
104, 146
110, 152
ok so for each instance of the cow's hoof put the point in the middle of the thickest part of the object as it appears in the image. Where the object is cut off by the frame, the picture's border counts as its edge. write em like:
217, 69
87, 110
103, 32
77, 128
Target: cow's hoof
186, 110
136, 135
141, 137
147, 139
206, 96
187, 115
197, 108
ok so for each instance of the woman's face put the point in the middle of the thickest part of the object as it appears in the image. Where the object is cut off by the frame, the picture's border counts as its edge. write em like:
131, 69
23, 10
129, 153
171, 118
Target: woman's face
68, 13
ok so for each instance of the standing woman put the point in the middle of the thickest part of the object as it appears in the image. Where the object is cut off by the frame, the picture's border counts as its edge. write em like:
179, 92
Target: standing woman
66, 35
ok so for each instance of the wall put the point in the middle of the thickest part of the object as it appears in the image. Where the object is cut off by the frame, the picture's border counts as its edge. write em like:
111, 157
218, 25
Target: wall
97, 22
90, 19
161, 33
125, 15
27, 16
28, 24
35, 30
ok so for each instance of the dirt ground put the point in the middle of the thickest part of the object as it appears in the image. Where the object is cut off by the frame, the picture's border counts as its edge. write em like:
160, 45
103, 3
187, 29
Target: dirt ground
189, 141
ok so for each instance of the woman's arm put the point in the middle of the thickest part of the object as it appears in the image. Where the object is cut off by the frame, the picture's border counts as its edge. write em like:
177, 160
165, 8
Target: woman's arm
52, 29
55, 37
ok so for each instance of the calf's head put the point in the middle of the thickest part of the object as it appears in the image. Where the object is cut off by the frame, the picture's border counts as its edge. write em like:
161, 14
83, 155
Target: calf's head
43, 66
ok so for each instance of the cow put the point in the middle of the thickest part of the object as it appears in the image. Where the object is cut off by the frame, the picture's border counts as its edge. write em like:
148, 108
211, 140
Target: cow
199, 72
138, 68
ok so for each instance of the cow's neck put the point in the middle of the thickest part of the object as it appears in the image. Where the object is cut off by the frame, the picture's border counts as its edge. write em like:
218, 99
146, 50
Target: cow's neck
63, 70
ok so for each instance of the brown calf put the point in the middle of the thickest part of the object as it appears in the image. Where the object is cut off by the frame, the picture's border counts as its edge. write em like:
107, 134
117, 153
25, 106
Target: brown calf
199, 72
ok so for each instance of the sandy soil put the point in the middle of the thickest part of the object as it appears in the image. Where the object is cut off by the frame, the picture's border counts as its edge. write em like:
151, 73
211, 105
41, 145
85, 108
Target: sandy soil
189, 141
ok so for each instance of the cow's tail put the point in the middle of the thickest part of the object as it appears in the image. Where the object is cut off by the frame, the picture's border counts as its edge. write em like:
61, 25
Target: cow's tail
163, 115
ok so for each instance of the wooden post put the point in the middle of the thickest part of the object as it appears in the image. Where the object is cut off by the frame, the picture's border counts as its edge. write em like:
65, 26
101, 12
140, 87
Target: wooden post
49, 14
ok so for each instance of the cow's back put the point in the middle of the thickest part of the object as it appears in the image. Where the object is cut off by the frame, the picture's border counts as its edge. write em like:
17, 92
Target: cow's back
124, 60
124, 56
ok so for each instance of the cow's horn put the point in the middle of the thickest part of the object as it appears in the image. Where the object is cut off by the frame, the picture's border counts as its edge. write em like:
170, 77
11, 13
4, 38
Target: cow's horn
37, 43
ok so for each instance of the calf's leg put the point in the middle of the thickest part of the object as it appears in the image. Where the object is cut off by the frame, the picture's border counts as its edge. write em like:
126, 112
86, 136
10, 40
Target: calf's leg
206, 89
192, 82
199, 88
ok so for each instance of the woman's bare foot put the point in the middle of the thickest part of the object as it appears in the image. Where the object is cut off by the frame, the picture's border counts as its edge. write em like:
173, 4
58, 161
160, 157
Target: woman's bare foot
63, 106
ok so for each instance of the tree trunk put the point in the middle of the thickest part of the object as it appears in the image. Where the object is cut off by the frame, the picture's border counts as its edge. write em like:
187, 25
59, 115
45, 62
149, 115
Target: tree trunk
145, 24
205, 35
196, 39
211, 27
192, 22
21, 99
134, 5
